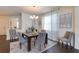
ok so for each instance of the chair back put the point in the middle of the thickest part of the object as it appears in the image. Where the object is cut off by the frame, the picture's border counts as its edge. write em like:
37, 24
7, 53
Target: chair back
12, 33
41, 37
68, 35
21, 39
43, 30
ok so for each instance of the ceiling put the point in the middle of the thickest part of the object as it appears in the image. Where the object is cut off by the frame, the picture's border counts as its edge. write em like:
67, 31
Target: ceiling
16, 10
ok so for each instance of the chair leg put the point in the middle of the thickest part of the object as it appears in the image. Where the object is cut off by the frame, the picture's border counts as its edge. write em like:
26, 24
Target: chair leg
62, 44
58, 41
34, 43
71, 46
20, 45
66, 45
11, 40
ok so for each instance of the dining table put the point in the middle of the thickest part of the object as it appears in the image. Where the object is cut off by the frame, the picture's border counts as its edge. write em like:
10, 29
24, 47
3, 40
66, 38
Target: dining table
30, 36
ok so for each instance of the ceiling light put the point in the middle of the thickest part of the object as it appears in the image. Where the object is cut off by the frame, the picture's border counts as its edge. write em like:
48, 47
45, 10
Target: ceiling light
34, 17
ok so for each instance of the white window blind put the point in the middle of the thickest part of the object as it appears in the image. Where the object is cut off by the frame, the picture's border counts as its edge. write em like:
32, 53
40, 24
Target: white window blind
50, 22
47, 23
54, 22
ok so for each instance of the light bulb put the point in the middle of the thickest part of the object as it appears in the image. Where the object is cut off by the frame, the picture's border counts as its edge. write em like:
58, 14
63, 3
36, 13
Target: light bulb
36, 17
31, 17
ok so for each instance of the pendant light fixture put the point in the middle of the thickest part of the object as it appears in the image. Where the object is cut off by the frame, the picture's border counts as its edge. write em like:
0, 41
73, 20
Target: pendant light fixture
34, 17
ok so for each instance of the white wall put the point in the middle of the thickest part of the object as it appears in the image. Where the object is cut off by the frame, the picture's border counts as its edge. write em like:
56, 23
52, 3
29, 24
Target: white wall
4, 24
12, 19
65, 10
26, 21
77, 27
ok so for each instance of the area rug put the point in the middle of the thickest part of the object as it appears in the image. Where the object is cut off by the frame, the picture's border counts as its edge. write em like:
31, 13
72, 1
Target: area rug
15, 48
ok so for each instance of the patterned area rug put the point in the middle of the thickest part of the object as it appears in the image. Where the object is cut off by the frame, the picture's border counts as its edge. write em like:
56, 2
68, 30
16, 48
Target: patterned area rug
15, 48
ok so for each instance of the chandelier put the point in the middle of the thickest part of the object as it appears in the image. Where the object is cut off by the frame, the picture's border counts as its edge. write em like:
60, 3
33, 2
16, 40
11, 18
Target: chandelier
34, 17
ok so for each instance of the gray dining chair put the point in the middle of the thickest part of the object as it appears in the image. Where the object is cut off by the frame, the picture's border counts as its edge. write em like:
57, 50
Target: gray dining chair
12, 33
40, 41
66, 38
22, 40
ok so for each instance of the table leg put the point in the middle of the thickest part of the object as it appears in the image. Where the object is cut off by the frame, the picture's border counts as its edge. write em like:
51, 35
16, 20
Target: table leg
29, 44
46, 40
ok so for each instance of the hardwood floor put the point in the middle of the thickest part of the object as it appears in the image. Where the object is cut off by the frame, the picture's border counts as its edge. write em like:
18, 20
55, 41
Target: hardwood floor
5, 47
4, 44
59, 49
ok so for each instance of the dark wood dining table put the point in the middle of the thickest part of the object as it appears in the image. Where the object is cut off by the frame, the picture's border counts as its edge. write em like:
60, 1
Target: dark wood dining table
30, 36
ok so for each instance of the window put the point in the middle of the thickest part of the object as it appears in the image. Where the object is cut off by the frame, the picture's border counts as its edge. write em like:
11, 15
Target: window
50, 22
54, 22
47, 23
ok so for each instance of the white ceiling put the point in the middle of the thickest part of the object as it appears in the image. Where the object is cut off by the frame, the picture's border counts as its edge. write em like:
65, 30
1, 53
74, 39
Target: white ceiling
16, 10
